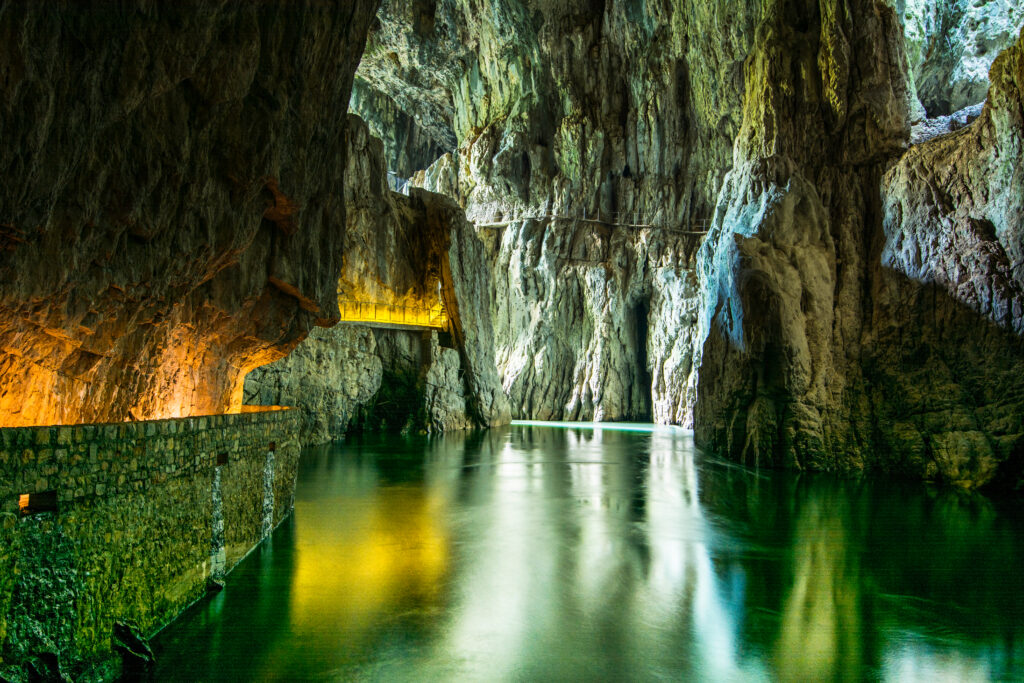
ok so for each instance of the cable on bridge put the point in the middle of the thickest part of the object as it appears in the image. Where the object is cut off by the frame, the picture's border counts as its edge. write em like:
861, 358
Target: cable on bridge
623, 219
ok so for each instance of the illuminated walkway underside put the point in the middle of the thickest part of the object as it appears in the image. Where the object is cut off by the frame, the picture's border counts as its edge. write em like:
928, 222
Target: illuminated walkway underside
393, 315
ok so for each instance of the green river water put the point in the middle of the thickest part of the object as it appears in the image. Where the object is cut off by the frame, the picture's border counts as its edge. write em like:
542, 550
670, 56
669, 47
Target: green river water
608, 553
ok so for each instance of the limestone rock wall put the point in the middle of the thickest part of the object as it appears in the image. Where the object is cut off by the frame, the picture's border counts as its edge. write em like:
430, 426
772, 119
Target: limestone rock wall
328, 376
408, 147
570, 109
412, 251
948, 298
950, 46
855, 318
781, 121
169, 216
785, 268
421, 389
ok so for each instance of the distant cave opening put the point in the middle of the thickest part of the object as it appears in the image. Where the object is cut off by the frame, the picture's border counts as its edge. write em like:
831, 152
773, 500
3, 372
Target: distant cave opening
641, 312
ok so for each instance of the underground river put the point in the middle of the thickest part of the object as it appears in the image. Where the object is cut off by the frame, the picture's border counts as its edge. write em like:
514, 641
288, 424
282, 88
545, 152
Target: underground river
539, 552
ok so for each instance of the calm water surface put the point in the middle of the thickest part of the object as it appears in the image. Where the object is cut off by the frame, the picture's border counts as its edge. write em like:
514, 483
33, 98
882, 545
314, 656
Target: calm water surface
545, 553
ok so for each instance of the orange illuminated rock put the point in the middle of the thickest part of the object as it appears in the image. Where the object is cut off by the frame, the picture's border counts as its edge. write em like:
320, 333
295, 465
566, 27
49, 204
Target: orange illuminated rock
169, 215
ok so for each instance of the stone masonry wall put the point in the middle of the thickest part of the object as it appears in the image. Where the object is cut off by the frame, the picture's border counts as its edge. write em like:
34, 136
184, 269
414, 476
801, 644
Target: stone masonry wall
132, 541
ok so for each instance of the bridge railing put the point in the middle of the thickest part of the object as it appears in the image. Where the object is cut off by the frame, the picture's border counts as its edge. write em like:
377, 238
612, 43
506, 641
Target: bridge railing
384, 313
620, 219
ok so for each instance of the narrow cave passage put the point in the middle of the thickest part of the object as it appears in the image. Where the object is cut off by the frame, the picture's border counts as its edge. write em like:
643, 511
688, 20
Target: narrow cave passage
295, 256
641, 312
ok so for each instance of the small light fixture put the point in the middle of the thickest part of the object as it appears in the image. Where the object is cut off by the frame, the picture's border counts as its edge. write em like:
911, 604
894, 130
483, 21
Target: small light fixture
34, 503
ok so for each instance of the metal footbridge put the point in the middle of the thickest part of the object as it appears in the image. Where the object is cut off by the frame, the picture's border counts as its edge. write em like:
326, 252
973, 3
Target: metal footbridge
392, 315
623, 219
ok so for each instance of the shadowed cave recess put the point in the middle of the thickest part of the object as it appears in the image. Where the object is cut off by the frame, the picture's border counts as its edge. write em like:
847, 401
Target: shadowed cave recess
232, 230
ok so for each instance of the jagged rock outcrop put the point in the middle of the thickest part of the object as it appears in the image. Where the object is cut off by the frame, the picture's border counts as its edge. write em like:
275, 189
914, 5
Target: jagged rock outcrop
407, 146
329, 375
421, 388
951, 45
566, 109
946, 374
408, 251
785, 268
844, 330
169, 216
782, 119
926, 129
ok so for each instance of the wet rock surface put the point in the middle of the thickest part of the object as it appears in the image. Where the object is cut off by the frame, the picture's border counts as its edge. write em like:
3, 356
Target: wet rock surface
408, 147
169, 216
949, 298
847, 333
328, 376
784, 269
780, 121
562, 113
415, 252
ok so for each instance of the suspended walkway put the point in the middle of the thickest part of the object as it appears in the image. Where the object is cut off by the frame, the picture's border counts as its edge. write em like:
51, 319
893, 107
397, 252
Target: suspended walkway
390, 315
614, 220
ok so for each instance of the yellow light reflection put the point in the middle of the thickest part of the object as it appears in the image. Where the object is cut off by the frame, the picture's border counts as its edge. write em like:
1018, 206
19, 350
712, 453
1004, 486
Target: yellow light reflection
375, 302
820, 634
390, 550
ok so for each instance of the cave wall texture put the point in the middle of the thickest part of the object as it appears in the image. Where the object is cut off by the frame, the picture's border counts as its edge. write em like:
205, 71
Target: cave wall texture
785, 267
173, 211
803, 323
408, 146
169, 214
849, 328
398, 250
947, 358
571, 109
950, 46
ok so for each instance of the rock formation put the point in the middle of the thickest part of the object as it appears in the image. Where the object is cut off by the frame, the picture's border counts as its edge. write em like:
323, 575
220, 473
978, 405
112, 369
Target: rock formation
951, 45
169, 216
850, 330
948, 298
562, 113
408, 146
784, 268
782, 121
408, 251
594, 144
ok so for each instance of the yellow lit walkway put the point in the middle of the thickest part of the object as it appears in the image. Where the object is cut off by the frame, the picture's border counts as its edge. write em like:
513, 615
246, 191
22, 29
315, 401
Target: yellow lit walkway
387, 314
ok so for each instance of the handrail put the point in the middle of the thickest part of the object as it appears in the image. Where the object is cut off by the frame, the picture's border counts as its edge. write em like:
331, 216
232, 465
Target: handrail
386, 313
615, 219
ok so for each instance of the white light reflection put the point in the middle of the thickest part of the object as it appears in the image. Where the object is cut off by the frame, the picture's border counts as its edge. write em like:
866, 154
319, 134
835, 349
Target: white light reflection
917, 661
489, 629
682, 570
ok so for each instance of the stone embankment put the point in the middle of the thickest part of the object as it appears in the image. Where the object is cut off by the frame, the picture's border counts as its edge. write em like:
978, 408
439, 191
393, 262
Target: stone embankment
124, 526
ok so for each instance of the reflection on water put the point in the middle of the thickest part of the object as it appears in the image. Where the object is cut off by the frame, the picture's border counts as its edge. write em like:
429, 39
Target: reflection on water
543, 553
